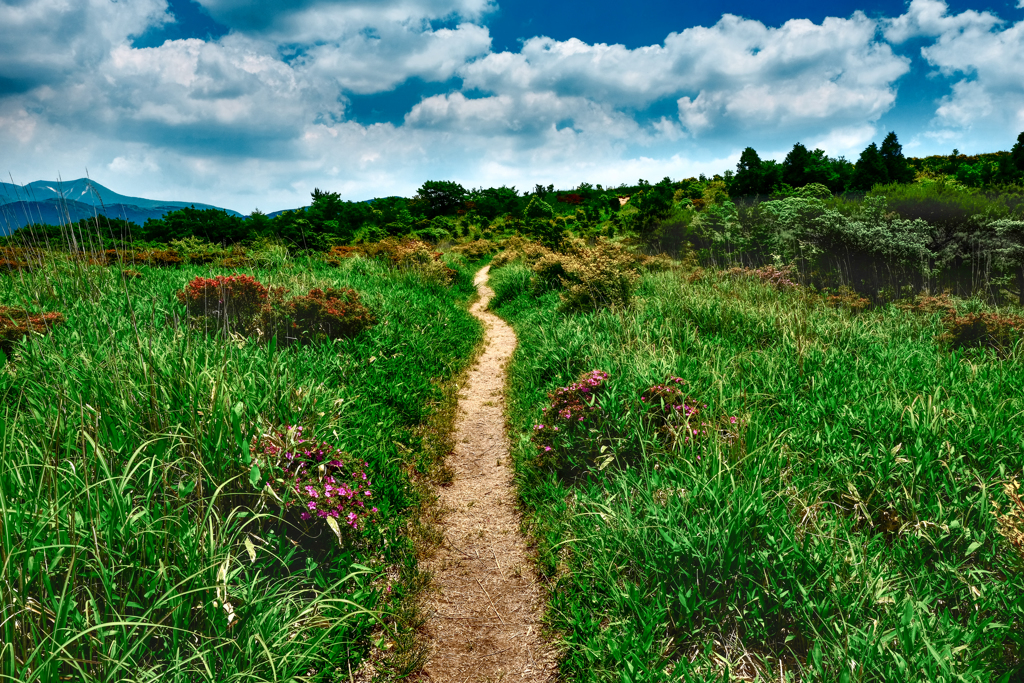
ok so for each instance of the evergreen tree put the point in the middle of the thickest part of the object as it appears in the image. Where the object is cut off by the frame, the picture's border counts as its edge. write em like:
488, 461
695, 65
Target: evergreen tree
794, 167
896, 165
439, 198
749, 178
1017, 154
870, 169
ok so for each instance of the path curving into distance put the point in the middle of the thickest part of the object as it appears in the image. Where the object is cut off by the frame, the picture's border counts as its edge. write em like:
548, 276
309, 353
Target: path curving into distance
485, 606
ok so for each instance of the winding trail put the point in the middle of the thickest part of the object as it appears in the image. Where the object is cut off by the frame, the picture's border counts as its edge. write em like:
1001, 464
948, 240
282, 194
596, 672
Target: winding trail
484, 611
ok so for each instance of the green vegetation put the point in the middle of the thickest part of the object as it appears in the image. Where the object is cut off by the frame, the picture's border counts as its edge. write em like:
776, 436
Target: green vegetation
161, 470
886, 226
732, 476
790, 451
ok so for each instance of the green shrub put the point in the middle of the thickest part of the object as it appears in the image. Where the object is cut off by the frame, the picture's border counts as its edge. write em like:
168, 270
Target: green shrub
598, 276
475, 250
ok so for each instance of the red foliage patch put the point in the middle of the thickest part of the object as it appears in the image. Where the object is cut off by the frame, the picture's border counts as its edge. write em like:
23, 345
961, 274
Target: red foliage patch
984, 330
331, 314
230, 302
572, 198
241, 304
16, 323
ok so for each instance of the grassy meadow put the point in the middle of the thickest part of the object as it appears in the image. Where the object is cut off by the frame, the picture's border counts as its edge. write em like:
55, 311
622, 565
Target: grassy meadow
138, 541
806, 492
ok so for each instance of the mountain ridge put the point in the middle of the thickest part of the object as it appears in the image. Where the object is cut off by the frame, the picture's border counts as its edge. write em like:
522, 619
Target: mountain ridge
60, 202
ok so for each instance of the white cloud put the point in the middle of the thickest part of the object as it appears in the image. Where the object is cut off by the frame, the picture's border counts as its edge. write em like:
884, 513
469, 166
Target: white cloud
985, 54
47, 41
370, 63
930, 18
260, 116
735, 74
306, 21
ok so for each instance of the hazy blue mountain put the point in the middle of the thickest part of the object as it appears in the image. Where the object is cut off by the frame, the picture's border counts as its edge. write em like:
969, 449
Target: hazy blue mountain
55, 203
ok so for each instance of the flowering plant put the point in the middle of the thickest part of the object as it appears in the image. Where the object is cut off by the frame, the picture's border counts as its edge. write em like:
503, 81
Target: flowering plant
572, 414
313, 481
683, 420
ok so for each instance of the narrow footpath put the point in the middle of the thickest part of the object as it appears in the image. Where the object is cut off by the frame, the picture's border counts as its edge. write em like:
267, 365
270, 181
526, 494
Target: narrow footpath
484, 610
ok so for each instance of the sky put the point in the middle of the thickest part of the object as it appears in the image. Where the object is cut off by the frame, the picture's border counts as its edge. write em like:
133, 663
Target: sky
251, 104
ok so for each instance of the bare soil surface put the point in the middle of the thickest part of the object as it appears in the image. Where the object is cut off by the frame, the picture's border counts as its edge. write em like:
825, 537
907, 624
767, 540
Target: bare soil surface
485, 606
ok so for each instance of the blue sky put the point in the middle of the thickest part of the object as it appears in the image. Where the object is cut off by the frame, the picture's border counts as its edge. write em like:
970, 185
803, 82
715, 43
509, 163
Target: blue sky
248, 104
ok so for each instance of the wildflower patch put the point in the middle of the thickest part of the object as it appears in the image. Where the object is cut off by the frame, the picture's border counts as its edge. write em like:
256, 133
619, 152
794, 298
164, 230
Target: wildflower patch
565, 426
315, 484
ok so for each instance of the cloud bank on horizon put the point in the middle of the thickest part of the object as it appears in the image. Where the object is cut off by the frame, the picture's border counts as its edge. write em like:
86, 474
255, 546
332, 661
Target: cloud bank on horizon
275, 103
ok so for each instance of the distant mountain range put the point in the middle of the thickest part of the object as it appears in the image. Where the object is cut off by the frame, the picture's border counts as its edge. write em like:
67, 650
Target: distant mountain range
52, 202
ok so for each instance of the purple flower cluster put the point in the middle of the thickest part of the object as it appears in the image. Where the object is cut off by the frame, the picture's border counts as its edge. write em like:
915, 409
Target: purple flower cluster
311, 477
682, 415
570, 406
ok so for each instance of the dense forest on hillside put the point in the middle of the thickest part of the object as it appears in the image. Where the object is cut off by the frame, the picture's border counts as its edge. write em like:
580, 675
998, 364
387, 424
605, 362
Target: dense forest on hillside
884, 225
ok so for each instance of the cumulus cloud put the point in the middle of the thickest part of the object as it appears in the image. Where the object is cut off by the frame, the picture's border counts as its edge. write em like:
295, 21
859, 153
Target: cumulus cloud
735, 74
44, 42
262, 114
980, 50
931, 18
298, 21
365, 63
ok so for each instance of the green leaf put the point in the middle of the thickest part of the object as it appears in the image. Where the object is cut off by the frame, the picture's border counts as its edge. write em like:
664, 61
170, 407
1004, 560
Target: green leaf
255, 476
240, 440
250, 548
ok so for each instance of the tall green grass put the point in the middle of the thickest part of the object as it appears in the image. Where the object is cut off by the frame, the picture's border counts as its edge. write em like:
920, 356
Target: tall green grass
848, 534
133, 545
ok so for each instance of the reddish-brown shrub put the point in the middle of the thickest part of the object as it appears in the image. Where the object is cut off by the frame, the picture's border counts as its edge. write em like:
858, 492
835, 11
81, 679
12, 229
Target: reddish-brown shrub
779, 278
848, 299
159, 257
330, 314
240, 261
231, 303
113, 257
14, 258
16, 323
983, 330
337, 254
928, 304
241, 304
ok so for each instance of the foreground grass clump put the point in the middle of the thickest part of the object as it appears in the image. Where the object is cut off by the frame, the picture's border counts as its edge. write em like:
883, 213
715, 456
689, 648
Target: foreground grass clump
843, 513
154, 476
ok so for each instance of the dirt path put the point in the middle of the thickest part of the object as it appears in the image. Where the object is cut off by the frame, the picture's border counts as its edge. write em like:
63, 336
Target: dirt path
484, 612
